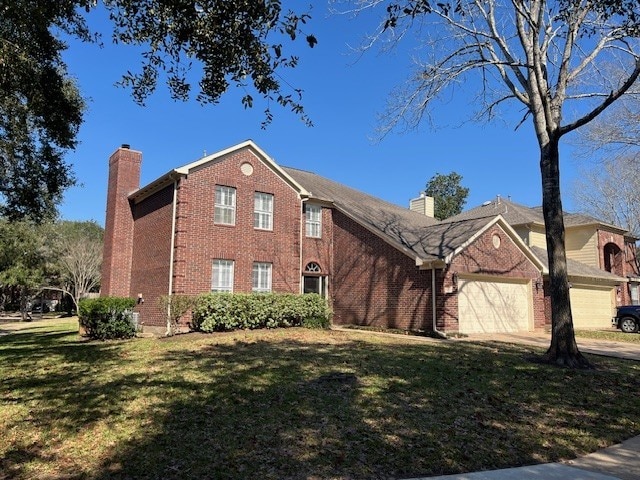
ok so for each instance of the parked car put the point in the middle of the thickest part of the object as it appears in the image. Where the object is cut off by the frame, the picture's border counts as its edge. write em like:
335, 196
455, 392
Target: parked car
40, 308
627, 318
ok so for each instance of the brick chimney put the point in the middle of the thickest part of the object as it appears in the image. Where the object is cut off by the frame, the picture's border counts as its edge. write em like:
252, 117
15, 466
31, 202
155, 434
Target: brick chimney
124, 178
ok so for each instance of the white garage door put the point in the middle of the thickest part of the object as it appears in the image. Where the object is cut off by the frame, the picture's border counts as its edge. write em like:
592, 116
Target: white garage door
493, 306
592, 307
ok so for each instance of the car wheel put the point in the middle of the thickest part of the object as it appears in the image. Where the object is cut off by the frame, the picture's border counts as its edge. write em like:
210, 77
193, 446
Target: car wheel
628, 325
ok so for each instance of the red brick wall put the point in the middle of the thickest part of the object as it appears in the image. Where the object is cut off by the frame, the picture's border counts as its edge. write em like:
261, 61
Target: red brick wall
482, 258
319, 250
199, 241
151, 254
376, 284
625, 267
124, 178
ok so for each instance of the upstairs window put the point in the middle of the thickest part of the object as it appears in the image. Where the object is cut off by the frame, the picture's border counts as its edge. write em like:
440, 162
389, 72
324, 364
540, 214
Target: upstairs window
313, 216
261, 277
225, 203
222, 276
263, 211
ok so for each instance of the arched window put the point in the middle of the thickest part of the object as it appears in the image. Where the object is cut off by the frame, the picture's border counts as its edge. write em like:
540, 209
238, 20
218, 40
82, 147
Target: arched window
612, 258
312, 267
313, 280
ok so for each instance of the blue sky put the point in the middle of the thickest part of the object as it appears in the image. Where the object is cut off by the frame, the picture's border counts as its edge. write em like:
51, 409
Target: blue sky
343, 94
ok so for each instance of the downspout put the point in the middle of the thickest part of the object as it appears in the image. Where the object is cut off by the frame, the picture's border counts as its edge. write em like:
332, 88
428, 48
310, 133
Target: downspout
171, 254
301, 238
433, 305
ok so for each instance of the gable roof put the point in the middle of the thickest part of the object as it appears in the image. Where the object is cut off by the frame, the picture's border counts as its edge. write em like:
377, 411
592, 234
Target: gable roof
514, 213
258, 152
424, 238
176, 173
517, 214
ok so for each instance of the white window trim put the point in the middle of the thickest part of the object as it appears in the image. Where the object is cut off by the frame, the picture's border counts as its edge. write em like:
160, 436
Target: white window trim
313, 226
262, 219
229, 192
221, 287
262, 269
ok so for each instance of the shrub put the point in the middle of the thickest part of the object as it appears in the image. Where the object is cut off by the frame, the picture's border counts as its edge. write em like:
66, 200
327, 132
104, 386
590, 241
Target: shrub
216, 312
316, 322
107, 317
176, 307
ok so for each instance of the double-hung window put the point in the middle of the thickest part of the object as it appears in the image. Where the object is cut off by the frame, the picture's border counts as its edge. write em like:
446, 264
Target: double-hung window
263, 211
261, 277
225, 203
313, 217
222, 276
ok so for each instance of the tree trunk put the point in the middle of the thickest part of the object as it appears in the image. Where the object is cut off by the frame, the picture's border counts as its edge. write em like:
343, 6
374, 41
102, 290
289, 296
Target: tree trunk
563, 350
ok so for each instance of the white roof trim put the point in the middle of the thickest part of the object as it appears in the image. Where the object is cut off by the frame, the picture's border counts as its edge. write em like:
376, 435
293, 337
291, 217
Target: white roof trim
262, 155
593, 280
508, 229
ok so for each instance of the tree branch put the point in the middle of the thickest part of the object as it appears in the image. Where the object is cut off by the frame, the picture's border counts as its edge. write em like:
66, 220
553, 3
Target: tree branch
613, 96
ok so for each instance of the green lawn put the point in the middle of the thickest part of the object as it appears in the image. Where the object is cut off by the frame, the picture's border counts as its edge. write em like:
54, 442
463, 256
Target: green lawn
613, 335
295, 403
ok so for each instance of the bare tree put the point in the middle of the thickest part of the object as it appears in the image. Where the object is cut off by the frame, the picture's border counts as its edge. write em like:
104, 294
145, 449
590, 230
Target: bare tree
544, 55
616, 132
79, 246
611, 192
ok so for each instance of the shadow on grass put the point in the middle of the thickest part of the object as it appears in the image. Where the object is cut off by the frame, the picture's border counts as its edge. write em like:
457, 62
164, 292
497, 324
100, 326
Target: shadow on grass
328, 407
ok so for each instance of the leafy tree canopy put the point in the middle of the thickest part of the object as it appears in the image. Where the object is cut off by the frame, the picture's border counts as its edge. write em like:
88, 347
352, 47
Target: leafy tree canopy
40, 106
63, 256
238, 43
449, 196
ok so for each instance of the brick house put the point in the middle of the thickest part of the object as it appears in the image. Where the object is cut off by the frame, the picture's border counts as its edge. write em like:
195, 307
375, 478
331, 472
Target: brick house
236, 221
601, 259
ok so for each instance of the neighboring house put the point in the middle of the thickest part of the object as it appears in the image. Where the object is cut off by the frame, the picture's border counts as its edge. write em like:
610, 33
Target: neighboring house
601, 258
236, 221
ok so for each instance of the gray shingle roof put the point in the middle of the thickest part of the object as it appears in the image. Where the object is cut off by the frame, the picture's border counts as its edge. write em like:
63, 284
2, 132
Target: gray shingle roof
575, 268
513, 213
517, 214
427, 238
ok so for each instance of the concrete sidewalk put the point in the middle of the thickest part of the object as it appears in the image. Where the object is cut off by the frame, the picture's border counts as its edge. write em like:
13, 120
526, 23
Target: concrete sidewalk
620, 461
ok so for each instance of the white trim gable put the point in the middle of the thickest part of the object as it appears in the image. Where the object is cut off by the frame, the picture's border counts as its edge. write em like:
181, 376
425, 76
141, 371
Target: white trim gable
183, 171
509, 231
259, 154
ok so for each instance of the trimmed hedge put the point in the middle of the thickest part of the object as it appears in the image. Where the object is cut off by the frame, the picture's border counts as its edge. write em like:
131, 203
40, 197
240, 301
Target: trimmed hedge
107, 318
217, 312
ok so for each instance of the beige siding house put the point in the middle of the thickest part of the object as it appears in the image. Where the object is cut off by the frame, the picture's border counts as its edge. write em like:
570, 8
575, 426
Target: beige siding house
603, 271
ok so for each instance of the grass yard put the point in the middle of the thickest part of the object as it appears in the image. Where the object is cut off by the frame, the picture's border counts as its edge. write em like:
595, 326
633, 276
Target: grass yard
295, 403
612, 335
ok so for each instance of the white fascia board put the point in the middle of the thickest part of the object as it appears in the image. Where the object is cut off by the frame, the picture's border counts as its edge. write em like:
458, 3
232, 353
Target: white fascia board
508, 229
261, 155
154, 186
595, 281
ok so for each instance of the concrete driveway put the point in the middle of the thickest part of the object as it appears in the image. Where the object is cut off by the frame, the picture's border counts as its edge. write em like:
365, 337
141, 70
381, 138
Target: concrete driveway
628, 351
